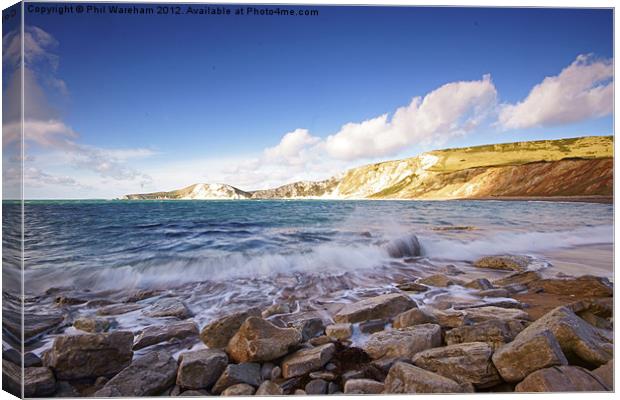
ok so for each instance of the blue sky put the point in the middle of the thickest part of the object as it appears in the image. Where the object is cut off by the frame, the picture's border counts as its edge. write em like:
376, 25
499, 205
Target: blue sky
159, 102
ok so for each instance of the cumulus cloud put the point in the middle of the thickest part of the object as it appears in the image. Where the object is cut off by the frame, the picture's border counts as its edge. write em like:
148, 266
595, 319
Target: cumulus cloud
581, 91
451, 110
292, 147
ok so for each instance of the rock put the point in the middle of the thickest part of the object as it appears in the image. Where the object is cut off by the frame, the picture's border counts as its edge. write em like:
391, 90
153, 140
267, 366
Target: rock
200, 369
518, 278
374, 325
439, 280
309, 324
449, 318
355, 374
325, 375
363, 386
380, 307
316, 386
32, 360
480, 284
65, 389
404, 247
451, 269
197, 393
146, 376
265, 370
508, 303
92, 325
90, 355
481, 314
275, 309
494, 332
406, 378
117, 309
96, 303
562, 379
320, 340
12, 355
39, 382
404, 342
240, 389
276, 372
494, 293
217, 333
581, 342
248, 373
288, 385
586, 285
339, 331
299, 392
597, 312
268, 388
504, 263
168, 307
463, 363
12, 378
68, 301
161, 333
412, 287
415, 316
260, 340
307, 360
333, 388
528, 352
142, 294
606, 374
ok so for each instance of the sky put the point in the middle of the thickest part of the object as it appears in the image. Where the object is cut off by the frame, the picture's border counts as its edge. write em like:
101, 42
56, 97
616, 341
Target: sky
119, 104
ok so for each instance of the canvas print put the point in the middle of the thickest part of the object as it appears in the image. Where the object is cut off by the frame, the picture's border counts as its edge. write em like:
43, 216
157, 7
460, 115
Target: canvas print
250, 199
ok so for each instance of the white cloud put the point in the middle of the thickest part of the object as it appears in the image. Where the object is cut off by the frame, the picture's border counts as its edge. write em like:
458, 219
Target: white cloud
583, 90
293, 147
453, 109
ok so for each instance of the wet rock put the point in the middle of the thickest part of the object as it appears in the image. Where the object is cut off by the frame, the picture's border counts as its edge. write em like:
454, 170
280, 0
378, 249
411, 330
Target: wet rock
372, 326
260, 340
412, 287
481, 314
65, 389
449, 318
439, 280
494, 332
463, 363
141, 295
339, 331
508, 303
299, 392
240, 389
325, 375
581, 342
34, 324
217, 333
309, 324
363, 386
275, 309
12, 378
118, 309
90, 355
354, 374
404, 247
415, 316
39, 382
307, 360
195, 393
268, 388
276, 373
320, 340
333, 388
380, 307
528, 352
68, 301
587, 285
597, 312
146, 376
97, 303
316, 386
265, 370
562, 379
161, 333
12, 355
404, 342
494, 293
168, 307
504, 263
92, 325
606, 374
32, 360
451, 269
480, 284
200, 369
518, 278
248, 373
406, 378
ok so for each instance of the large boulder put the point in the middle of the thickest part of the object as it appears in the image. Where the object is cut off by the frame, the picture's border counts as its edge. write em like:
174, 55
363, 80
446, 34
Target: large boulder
200, 369
90, 355
379, 307
168, 307
481, 314
606, 373
495, 332
415, 316
39, 382
217, 333
582, 343
407, 378
403, 343
529, 352
248, 373
504, 262
307, 360
586, 285
260, 340
146, 376
562, 379
161, 333
463, 363
340, 331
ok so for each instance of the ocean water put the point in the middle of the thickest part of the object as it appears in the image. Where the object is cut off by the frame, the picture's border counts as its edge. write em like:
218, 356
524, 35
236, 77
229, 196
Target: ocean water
222, 256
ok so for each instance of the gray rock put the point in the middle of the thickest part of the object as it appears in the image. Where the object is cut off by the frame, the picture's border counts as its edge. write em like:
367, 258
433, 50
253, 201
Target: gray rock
248, 373
161, 333
217, 333
406, 378
373, 326
268, 388
606, 374
146, 376
66, 389
316, 386
240, 389
118, 309
380, 307
200, 369
307, 360
168, 307
32, 360
39, 382
404, 343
